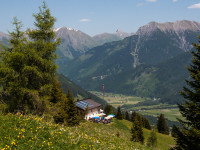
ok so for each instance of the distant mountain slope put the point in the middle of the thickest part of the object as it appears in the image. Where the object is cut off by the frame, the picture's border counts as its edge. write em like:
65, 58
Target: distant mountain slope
2, 46
151, 45
162, 81
76, 90
4, 38
137, 64
75, 43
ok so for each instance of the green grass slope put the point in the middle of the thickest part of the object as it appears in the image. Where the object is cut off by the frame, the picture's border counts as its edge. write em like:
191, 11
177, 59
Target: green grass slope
31, 132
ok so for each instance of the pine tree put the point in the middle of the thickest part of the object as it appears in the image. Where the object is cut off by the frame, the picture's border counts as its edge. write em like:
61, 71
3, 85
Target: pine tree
71, 111
162, 125
127, 115
152, 140
28, 69
56, 92
146, 123
61, 114
174, 131
133, 116
11, 69
108, 109
119, 113
189, 136
43, 42
137, 132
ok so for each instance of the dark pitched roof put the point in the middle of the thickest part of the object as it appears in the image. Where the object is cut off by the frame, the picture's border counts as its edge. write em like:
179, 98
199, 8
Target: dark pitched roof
83, 104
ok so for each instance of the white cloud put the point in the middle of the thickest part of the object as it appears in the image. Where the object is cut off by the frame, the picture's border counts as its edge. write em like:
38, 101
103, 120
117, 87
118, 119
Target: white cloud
195, 6
174, 1
140, 4
85, 20
151, 0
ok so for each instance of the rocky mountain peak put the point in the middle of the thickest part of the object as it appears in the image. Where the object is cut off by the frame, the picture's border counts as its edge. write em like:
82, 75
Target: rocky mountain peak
177, 26
64, 29
122, 34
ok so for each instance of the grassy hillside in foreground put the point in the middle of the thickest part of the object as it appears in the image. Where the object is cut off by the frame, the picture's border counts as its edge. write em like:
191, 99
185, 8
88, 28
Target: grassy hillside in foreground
31, 132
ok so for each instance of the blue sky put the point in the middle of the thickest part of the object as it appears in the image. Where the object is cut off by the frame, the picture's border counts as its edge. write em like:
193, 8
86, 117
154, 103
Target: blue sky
99, 16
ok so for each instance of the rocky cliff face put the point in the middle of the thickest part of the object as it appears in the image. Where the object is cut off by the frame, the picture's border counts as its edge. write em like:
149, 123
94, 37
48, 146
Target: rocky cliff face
178, 29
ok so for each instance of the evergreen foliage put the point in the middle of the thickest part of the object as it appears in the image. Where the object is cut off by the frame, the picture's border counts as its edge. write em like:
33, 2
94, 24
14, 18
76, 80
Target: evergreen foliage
119, 113
28, 69
137, 132
162, 125
146, 123
13, 69
143, 121
127, 115
133, 116
56, 92
152, 140
71, 111
189, 136
174, 131
108, 109
67, 113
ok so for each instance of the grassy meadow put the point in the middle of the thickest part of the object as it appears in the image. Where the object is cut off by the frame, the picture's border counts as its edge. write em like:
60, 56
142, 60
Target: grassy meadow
170, 114
118, 99
31, 132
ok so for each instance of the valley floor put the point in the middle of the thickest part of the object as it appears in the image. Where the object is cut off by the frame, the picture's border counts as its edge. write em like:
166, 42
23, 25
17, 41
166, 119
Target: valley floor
171, 112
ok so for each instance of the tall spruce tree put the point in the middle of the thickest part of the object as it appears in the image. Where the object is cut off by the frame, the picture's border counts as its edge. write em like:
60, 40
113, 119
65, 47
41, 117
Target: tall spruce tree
152, 140
189, 136
146, 123
119, 113
71, 111
133, 116
28, 69
108, 109
11, 69
127, 115
44, 44
162, 125
137, 132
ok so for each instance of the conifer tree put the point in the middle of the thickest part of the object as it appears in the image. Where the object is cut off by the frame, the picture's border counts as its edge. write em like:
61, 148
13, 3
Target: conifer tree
133, 116
146, 123
27, 71
137, 132
119, 113
108, 109
44, 45
162, 125
189, 136
174, 131
11, 69
56, 92
61, 114
71, 111
152, 140
127, 115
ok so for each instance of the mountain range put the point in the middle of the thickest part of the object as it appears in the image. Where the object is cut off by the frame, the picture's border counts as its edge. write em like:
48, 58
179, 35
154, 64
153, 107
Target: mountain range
75, 42
149, 63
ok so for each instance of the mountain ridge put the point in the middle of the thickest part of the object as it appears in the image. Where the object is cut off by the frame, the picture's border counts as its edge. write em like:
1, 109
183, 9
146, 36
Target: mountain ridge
116, 61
